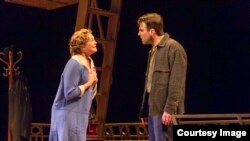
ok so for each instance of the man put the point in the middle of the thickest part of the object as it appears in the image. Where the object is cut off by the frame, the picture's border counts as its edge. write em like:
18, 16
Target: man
164, 90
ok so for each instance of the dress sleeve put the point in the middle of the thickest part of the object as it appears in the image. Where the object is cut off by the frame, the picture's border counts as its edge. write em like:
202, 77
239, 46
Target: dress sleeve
71, 78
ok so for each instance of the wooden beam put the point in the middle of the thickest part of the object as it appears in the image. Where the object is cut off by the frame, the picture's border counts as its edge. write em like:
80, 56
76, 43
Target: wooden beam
82, 14
44, 4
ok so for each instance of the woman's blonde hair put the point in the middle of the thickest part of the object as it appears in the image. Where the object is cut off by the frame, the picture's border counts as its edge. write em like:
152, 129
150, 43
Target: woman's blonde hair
78, 40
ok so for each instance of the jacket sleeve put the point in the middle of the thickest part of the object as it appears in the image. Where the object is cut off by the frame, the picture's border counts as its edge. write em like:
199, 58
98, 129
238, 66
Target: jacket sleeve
178, 67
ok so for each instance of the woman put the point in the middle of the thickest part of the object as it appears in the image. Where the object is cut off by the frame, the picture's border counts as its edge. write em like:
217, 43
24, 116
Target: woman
70, 110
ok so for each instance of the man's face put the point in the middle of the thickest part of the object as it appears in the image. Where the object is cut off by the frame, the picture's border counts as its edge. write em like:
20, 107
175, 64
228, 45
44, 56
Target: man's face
145, 34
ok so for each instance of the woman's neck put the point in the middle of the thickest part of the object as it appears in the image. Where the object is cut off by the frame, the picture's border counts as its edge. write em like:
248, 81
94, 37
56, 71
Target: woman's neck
82, 59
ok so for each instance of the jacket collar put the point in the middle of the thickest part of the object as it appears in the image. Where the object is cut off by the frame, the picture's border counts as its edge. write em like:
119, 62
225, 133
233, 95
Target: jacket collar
164, 40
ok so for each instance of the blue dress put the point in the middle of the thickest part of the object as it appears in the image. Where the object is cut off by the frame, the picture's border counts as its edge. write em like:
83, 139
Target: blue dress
70, 113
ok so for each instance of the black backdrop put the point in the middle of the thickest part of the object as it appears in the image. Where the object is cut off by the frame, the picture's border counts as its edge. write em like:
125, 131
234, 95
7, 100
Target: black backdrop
214, 33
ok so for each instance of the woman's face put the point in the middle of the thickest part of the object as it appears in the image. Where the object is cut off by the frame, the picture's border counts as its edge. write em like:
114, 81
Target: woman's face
90, 46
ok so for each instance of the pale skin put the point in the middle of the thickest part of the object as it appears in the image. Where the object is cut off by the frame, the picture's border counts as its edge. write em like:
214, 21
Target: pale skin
88, 49
149, 36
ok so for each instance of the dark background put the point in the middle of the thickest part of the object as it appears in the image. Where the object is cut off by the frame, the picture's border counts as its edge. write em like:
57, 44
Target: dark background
214, 33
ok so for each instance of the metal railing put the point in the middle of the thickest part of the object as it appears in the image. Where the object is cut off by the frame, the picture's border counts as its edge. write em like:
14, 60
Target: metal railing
137, 131
216, 119
40, 132
112, 131
125, 131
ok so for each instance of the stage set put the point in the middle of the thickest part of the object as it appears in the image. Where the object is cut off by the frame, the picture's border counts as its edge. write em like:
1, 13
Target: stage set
103, 17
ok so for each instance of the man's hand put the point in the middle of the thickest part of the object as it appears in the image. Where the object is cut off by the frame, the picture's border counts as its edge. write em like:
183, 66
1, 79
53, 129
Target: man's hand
166, 118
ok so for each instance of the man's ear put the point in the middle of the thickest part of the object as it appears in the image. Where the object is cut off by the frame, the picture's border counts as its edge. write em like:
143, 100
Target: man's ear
152, 31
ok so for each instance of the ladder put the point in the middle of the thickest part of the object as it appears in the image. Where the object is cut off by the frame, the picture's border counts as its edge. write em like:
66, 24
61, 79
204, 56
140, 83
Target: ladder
104, 22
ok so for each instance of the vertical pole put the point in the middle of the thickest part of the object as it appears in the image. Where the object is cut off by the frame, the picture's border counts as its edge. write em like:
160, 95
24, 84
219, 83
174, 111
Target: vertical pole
11, 79
11, 70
